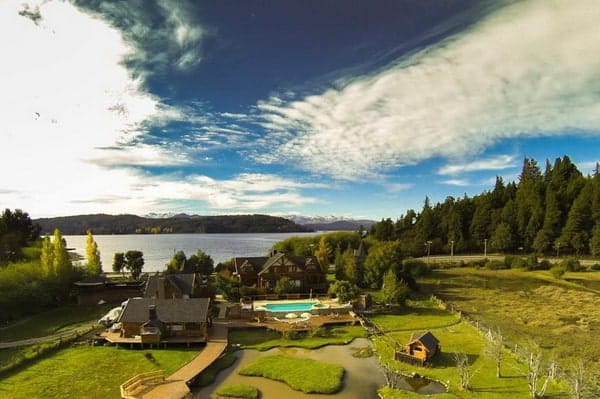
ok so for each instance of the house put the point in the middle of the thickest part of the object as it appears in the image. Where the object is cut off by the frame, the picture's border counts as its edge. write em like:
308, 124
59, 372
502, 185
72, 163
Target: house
422, 347
157, 320
95, 289
190, 285
264, 272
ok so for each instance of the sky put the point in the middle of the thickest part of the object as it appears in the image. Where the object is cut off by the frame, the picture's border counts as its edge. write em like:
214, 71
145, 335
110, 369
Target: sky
355, 109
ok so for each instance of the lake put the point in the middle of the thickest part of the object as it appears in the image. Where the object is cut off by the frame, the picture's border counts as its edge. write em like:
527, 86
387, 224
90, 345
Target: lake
158, 249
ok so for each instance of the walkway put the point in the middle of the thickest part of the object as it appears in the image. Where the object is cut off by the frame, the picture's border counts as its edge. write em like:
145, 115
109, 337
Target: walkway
175, 386
81, 330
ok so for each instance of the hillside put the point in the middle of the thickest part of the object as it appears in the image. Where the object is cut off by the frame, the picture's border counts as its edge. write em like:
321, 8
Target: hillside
132, 224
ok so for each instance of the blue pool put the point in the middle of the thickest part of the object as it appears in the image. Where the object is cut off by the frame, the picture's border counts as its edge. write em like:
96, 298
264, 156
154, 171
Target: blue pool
290, 306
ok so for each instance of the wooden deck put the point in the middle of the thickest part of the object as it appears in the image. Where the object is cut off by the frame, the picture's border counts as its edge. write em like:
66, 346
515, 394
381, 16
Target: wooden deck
115, 338
175, 386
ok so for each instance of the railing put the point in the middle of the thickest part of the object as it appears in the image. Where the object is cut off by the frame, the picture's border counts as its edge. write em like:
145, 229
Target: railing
134, 386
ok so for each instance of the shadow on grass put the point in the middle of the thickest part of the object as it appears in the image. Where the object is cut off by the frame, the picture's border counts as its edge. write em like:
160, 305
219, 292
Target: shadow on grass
448, 359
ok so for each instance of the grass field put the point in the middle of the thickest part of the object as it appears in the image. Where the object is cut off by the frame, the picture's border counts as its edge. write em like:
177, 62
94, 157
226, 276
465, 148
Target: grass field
88, 372
561, 316
53, 321
302, 374
456, 336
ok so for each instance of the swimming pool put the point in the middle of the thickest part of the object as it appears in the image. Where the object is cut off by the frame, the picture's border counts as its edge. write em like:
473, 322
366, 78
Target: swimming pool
290, 306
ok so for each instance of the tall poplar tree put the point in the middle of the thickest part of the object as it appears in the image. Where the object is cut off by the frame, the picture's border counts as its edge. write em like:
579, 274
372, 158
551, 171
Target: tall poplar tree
61, 260
94, 264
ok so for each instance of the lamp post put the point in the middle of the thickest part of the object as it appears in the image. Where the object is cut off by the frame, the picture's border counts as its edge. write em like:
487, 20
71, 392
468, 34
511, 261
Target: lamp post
428, 243
485, 247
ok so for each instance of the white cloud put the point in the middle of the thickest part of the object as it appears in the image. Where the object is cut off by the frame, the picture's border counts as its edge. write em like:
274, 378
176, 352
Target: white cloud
529, 69
499, 162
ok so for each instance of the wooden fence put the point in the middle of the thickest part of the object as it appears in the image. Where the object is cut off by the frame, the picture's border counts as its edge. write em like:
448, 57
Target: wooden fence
133, 387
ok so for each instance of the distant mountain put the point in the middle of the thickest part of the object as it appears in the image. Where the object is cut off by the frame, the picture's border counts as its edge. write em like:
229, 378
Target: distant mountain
180, 223
330, 223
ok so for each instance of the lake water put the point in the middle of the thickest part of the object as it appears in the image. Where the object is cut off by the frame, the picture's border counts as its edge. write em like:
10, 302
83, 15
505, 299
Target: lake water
362, 377
158, 249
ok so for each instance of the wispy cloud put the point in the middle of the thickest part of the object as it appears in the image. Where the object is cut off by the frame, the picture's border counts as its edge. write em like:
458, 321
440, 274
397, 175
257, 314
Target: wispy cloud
529, 69
499, 162
162, 33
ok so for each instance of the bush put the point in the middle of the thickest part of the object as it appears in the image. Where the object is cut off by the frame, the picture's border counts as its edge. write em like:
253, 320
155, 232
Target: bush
415, 267
496, 265
571, 265
544, 265
595, 266
531, 262
558, 271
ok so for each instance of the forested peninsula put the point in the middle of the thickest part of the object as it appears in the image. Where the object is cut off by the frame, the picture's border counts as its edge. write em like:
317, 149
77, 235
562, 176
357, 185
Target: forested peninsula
132, 224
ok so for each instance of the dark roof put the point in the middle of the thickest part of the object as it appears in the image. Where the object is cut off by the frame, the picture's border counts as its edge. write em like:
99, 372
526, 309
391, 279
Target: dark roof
184, 283
192, 310
427, 339
257, 263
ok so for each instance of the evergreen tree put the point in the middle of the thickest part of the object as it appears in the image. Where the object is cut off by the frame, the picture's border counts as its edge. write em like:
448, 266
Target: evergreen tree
94, 264
393, 291
578, 228
119, 263
595, 241
323, 254
381, 258
200, 262
502, 238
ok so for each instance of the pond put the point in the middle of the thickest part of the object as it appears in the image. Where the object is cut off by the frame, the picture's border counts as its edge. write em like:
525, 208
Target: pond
361, 380
420, 385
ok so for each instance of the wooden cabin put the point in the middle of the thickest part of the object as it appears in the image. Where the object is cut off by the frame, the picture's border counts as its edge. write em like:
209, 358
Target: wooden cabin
419, 349
264, 272
154, 320
188, 285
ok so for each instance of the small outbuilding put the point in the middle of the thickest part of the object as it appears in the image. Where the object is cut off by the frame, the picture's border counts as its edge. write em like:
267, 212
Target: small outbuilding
419, 349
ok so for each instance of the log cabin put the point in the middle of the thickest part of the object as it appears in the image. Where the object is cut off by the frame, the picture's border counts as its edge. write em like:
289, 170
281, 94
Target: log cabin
423, 347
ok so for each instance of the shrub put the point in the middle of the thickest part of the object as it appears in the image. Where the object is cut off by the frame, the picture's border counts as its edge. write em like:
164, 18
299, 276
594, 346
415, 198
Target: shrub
558, 271
415, 267
544, 265
496, 265
571, 264
595, 266
531, 262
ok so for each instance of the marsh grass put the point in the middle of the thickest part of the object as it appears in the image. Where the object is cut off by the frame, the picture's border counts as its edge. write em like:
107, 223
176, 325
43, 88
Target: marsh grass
301, 374
561, 316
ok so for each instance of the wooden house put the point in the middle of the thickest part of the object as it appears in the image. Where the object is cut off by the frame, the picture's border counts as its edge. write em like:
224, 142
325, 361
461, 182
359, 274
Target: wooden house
156, 320
188, 285
305, 273
421, 348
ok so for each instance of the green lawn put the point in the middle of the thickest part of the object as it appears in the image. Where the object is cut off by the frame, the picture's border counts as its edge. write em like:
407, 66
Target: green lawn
262, 339
53, 321
88, 372
455, 337
302, 374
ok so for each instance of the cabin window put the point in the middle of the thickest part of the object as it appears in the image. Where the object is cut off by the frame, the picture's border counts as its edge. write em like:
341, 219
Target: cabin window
417, 348
297, 283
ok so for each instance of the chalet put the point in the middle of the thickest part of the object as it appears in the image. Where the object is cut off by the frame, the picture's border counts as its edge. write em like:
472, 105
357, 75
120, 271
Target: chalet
264, 272
157, 320
190, 285
95, 289
420, 348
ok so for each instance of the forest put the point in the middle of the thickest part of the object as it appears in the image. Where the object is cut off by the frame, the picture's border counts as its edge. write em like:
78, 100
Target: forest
551, 212
132, 224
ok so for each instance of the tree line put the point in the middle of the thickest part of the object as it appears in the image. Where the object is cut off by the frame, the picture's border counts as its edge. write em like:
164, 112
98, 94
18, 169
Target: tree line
550, 212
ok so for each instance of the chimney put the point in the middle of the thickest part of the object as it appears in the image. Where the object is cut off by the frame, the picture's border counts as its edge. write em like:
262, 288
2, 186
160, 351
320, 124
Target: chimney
152, 312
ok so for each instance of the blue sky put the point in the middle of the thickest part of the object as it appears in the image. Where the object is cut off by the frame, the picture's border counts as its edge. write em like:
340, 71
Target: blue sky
346, 108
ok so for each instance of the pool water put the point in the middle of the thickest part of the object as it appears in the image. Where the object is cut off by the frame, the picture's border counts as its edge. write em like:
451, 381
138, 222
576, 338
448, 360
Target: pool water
290, 306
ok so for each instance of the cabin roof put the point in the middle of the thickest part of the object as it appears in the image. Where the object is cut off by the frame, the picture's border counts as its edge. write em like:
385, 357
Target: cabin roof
427, 339
191, 310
